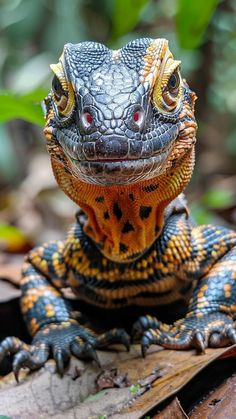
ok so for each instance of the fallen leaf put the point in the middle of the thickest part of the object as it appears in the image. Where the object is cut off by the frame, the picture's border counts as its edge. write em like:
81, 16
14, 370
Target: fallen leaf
220, 403
49, 395
111, 378
173, 410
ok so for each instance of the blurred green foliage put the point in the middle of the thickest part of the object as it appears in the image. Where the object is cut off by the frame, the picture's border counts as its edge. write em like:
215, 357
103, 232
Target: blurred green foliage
126, 14
23, 106
27, 19
11, 239
191, 20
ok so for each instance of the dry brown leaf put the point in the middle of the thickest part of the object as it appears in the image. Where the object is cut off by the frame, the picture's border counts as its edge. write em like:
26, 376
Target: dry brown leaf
173, 410
111, 378
49, 395
220, 403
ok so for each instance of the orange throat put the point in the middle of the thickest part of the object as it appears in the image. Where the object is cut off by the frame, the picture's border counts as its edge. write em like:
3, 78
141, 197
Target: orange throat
125, 220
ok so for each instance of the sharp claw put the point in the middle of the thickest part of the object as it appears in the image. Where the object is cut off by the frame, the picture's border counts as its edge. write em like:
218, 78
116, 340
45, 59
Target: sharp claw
126, 342
59, 363
144, 349
199, 342
16, 374
18, 363
145, 343
90, 352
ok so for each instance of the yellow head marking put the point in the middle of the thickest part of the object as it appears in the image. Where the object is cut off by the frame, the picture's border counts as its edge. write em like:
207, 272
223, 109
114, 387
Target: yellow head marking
168, 84
62, 90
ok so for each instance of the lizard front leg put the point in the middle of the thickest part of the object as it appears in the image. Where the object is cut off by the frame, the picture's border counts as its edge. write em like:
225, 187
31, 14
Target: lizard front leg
49, 316
210, 258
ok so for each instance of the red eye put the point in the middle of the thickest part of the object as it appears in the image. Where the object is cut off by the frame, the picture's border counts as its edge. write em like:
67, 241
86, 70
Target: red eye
88, 117
136, 116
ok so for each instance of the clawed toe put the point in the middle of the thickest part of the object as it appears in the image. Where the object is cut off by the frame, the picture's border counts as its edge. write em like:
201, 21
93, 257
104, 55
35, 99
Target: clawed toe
225, 337
141, 325
90, 352
113, 336
198, 341
11, 345
212, 330
29, 359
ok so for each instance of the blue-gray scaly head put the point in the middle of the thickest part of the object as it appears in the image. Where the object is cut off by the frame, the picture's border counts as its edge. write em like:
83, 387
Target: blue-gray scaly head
114, 117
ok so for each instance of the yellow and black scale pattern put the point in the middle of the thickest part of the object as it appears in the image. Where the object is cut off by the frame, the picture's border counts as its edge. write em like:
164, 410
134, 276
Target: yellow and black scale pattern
120, 130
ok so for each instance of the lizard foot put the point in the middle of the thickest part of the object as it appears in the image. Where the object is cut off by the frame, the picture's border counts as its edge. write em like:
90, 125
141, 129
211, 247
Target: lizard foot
59, 340
194, 331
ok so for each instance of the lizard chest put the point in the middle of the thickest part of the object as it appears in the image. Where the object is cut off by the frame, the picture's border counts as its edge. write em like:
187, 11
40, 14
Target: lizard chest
145, 282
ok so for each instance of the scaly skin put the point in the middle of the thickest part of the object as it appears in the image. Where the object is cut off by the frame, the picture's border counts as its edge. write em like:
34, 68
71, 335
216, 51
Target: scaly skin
120, 131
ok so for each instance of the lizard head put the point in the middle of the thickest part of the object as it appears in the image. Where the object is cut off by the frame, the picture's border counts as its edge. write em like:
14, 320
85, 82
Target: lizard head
119, 117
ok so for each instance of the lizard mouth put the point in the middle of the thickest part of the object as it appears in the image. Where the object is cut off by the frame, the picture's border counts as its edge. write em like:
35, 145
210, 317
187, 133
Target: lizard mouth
116, 160
118, 172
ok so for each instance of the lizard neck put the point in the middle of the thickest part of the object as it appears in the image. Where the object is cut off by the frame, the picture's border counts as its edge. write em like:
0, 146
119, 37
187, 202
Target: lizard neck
125, 220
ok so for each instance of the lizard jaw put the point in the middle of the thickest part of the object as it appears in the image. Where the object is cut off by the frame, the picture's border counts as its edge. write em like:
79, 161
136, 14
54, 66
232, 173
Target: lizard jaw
119, 172
115, 159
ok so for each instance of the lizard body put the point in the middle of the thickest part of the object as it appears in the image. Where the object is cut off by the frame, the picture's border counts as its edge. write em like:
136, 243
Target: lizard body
120, 131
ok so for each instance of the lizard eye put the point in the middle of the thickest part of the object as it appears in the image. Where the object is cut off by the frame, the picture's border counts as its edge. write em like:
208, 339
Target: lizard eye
173, 84
60, 95
171, 92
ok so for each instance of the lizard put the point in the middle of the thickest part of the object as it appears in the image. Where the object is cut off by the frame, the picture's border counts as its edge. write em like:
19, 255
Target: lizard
121, 132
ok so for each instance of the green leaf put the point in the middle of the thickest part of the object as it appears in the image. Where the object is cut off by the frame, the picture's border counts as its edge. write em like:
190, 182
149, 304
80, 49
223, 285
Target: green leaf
192, 19
11, 238
200, 214
126, 15
217, 198
25, 107
134, 389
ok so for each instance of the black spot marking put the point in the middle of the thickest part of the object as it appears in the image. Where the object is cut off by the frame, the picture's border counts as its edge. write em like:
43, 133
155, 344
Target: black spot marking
144, 212
117, 211
131, 196
174, 162
157, 229
123, 248
151, 188
106, 215
99, 199
127, 227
